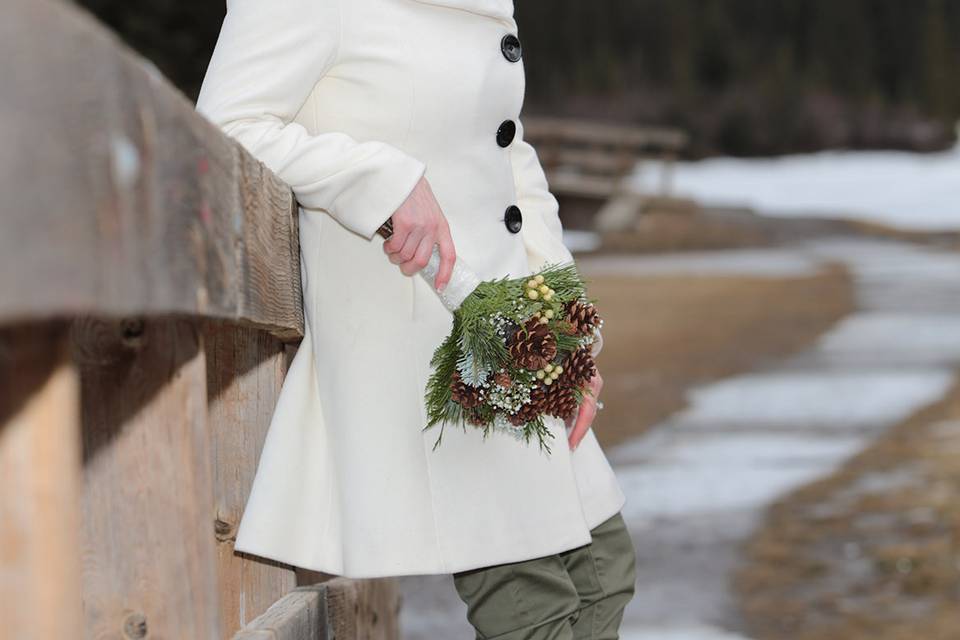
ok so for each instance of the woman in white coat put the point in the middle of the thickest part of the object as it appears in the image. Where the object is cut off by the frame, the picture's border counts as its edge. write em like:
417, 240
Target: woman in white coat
372, 109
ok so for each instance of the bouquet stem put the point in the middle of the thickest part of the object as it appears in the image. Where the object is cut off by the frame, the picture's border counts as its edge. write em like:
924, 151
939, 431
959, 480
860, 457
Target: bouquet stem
462, 281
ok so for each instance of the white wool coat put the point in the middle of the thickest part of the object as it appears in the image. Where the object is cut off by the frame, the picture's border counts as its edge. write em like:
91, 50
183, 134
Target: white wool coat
351, 102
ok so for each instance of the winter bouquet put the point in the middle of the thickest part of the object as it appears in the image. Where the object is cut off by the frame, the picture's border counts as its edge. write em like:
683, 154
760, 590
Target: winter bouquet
519, 350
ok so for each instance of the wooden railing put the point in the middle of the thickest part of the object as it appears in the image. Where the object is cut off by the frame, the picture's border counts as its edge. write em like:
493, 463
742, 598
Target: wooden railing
149, 307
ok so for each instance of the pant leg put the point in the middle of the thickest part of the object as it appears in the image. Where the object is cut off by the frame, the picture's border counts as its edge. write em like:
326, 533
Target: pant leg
528, 600
604, 574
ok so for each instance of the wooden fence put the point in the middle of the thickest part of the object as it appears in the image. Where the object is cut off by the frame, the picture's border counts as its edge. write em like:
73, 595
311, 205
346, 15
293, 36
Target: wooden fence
588, 165
149, 307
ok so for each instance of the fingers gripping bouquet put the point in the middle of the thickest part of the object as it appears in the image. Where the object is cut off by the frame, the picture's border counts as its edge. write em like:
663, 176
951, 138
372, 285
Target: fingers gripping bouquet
519, 350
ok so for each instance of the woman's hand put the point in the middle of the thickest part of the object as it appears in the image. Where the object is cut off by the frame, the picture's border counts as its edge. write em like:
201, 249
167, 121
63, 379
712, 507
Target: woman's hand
419, 224
588, 409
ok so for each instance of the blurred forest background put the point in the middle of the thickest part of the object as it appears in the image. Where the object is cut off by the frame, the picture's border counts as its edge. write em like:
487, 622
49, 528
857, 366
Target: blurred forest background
743, 77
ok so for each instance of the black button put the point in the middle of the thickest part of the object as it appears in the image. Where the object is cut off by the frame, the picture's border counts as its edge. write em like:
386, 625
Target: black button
510, 46
506, 132
513, 219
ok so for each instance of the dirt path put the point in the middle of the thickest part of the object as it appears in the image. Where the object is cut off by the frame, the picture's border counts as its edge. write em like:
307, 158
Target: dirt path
699, 482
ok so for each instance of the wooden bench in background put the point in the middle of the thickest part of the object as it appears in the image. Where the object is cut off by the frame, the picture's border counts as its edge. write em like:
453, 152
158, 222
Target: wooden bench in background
589, 164
149, 308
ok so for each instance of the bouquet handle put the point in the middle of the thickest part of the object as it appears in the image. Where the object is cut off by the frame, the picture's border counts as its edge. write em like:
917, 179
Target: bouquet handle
462, 282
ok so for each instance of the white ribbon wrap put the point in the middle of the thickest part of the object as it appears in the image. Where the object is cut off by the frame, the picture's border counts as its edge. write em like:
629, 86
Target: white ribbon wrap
462, 281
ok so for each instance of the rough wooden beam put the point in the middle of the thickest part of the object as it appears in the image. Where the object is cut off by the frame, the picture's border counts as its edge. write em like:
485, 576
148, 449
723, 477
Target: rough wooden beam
585, 160
592, 133
339, 609
149, 559
39, 485
117, 197
299, 615
363, 609
245, 370
574, 184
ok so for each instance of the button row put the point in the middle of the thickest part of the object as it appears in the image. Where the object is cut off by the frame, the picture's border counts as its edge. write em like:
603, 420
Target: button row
512, 51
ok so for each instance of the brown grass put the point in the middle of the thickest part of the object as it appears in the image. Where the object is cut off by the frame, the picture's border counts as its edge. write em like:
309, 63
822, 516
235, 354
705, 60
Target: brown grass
663, 335
664, 232
717, 228
873, 551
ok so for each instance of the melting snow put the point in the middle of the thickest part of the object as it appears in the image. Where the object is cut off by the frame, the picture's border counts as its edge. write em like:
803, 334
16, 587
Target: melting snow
909, 190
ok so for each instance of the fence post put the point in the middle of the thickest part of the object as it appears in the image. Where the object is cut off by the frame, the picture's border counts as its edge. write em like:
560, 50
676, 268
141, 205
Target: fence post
39, 484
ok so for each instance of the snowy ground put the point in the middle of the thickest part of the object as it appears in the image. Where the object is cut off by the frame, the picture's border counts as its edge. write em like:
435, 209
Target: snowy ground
697, 484
907, 190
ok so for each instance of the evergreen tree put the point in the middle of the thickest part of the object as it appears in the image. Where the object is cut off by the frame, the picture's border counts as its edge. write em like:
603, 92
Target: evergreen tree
742, 76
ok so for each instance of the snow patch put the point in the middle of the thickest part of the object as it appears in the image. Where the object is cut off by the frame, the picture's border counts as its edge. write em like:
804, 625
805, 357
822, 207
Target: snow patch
909, 190
698, 475
764, 263
840, 400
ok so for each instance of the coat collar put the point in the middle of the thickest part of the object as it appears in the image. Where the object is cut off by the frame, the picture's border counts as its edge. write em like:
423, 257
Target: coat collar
502, 9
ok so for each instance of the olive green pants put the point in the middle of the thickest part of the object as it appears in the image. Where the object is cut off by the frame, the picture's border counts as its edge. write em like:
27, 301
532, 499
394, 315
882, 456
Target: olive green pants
577, 594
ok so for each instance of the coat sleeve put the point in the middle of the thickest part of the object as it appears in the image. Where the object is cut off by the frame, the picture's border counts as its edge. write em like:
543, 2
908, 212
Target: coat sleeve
267, 60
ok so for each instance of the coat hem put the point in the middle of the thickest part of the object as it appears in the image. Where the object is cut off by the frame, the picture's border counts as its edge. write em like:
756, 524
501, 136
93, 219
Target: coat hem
441, 567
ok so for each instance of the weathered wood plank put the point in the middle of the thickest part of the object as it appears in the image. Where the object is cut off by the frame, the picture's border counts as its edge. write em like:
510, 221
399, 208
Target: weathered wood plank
245, 370
39, 485
120, 198
587, 160
600, 188
299, 615
363, 609
149, 566
340, 609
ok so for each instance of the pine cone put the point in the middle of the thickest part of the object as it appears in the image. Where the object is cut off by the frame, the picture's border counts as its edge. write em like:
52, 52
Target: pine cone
473, 417
535, 348
464, 394
503, 379
523, 416
578, 368
560, 401
582, 316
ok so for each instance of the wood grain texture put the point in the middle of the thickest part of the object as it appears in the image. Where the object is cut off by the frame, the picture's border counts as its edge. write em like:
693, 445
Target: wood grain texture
169, 257
39, 485
299, 615
120, 198
339, 609
245, 370
363, 609
149, 565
